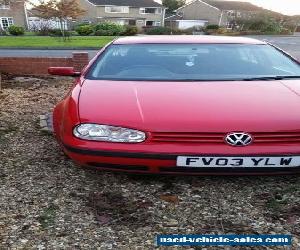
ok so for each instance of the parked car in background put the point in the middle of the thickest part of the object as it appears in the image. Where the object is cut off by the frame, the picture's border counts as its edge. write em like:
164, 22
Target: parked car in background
184, 105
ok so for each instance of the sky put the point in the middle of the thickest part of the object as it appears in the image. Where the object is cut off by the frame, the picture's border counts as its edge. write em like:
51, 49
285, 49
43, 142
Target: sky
288, 7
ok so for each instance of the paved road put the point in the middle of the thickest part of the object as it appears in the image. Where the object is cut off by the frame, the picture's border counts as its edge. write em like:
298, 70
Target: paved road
289, 43
41, 53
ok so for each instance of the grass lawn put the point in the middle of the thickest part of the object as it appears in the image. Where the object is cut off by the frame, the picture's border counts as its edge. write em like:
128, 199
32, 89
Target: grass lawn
46, 41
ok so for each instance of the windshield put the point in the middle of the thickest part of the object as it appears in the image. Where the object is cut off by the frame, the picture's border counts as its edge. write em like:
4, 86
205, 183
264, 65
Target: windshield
167, 62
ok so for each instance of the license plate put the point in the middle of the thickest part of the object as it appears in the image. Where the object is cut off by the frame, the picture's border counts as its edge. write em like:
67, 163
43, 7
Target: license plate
234, 162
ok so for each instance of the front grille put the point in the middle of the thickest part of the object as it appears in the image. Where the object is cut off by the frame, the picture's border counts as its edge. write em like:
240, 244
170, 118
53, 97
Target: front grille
187, 137
277, 137
118, 166
218, 138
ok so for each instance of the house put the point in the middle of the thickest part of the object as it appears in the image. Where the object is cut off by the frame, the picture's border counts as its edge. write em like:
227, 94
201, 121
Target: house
236, 9
124, 12
203, 12
36, 23
196, 13
13, 13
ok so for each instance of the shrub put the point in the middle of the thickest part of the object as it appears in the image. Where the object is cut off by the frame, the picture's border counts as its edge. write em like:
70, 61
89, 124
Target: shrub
158, 31
249, 33
286, 31
130, 31
264, 25
41, 29
212, 27
272, 28
3, 32
55, 32
16, 30
104, 33
209, 32
222, 31
258, 25
58, 33
108, 29
84, 30
71, 33
188, 31
83, 24
43, 32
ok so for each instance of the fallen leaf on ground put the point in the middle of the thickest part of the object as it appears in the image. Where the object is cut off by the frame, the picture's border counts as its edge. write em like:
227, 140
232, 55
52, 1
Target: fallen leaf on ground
170, 198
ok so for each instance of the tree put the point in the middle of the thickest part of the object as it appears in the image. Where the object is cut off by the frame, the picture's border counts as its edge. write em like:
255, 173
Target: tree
62, 10
8, 2
4, 2
291, 22
172, 5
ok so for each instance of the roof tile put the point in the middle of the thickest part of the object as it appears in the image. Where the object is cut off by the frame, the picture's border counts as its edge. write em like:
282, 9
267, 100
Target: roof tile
131, 3
233, 5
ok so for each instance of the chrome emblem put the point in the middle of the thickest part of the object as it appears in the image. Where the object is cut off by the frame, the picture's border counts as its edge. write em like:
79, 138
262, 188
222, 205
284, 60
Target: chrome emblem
238, 139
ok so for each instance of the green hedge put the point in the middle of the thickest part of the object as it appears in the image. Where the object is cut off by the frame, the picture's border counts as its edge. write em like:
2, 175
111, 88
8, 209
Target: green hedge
16, 30
84, 30
212, 27
157, 30
106, 29
130, 31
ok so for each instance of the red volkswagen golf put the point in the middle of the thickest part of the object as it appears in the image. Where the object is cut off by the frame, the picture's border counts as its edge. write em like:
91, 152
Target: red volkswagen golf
184, 104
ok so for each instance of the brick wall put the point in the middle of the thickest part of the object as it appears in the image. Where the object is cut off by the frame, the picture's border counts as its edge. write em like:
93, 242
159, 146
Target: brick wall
39, 66
80, 60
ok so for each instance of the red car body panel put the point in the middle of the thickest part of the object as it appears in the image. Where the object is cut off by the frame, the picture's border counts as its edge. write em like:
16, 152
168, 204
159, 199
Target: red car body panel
185, 108
191, 106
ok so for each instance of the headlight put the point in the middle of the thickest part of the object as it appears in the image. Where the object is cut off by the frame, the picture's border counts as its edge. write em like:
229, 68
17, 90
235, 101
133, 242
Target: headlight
96, 132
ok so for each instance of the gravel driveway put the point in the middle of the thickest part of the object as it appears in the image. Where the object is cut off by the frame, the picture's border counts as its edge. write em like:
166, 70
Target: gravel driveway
48, 202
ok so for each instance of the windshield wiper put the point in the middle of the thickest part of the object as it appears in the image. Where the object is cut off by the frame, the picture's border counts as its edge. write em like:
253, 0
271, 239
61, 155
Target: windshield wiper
270, 78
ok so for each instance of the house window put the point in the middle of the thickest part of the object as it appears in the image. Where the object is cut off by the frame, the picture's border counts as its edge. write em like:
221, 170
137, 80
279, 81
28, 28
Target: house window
150, 11
4, 4
120, 21
153, 23
116, 9
231, 13
86, 21
149, 23
132, 22
229, 25
5, 22
140, 22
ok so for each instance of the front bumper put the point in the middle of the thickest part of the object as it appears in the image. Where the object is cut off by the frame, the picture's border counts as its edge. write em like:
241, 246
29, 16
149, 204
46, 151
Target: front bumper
157, 163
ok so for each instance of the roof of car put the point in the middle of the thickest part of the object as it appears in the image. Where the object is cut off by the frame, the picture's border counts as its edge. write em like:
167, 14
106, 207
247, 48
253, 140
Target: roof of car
182, 39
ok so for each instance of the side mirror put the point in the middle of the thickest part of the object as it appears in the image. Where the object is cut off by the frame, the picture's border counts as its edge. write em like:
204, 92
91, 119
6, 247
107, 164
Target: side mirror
63, 71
